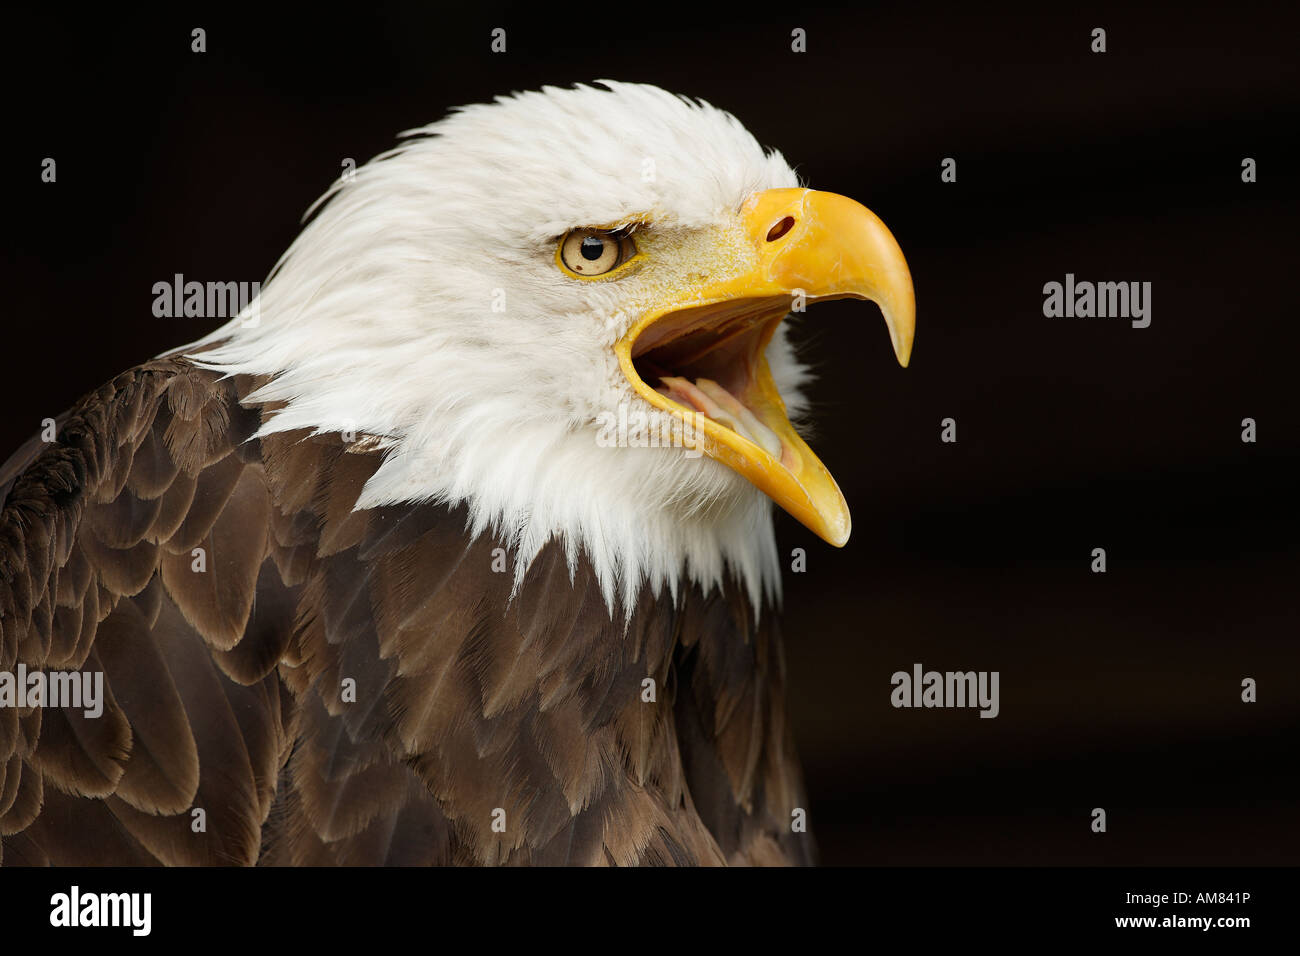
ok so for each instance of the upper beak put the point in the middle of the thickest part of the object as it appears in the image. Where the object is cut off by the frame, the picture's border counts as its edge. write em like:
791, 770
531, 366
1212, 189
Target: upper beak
809, 245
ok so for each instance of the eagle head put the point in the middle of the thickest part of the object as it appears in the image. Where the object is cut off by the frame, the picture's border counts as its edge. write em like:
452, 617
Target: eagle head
564, 311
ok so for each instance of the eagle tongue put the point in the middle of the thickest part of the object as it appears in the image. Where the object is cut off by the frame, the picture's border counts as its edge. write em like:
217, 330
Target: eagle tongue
709, 398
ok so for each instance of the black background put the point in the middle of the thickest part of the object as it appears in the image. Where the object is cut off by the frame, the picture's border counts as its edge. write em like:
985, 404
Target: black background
1119, 690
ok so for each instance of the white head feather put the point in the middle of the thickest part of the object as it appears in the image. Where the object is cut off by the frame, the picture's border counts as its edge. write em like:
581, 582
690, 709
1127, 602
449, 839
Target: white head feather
422, 303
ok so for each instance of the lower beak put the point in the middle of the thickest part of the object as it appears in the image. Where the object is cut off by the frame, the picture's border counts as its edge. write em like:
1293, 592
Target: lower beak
810, 246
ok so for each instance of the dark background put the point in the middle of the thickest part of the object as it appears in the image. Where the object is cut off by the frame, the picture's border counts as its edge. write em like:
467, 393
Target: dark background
1119, 690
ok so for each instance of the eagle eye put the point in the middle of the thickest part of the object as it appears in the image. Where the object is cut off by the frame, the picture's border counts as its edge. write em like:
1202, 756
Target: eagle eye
587, 253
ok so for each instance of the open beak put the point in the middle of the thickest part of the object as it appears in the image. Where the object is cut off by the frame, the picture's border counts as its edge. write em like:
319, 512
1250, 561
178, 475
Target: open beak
702, 358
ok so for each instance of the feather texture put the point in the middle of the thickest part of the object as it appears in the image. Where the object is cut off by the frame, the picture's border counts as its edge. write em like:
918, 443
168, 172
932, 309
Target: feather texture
342, 686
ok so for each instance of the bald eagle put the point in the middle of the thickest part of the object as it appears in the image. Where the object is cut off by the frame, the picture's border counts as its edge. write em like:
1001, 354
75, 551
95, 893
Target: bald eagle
456, 546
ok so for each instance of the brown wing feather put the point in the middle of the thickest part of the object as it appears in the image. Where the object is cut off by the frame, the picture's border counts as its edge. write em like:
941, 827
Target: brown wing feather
526, 711
334, 686
98, 574
737, 748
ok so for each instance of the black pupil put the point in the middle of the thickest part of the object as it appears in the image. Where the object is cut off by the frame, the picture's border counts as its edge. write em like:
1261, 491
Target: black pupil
592, 248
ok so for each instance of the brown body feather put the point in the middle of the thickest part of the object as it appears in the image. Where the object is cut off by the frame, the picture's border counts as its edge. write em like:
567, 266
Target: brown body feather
229, 593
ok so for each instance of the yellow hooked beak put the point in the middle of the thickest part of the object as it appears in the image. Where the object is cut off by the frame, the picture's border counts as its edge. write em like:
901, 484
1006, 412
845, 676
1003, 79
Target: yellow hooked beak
706, 349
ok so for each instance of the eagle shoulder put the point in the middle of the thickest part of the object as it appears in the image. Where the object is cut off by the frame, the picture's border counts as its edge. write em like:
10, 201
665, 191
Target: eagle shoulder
131, 548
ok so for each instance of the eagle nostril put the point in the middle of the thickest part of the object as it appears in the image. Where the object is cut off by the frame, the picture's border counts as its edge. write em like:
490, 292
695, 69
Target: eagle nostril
780, 229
